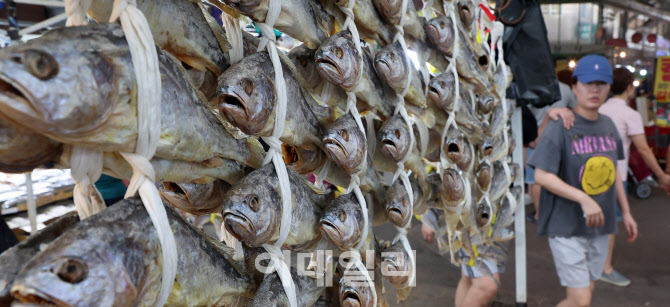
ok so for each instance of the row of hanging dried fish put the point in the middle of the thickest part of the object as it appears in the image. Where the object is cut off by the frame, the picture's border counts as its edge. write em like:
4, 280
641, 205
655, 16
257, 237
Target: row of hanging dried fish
447, 129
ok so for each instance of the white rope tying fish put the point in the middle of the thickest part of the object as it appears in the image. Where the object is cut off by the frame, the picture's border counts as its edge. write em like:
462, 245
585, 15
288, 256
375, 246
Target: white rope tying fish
267, 42
145, 63
234, 36
86, 167
86, 163
355, 178
76, 12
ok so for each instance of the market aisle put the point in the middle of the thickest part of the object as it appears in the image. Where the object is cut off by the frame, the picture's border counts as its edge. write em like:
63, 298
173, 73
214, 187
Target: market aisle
644, 262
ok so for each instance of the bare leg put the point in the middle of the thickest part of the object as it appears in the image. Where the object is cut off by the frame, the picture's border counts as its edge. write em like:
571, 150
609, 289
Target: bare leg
607, 269
482, 291
577, 297
463, 286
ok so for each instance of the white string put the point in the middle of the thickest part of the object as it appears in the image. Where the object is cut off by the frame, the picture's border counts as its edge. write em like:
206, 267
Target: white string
234, 36
76, 12
371, 137
145, 62
268, 42
86, 167
86, 164
424, 135
427, 9
351, 108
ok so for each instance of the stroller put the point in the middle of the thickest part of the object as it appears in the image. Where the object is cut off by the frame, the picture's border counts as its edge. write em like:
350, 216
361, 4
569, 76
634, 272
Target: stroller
640, 180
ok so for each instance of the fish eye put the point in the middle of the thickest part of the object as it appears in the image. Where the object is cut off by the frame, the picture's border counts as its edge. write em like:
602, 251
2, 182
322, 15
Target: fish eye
397, 133
71, 270
248, 86
442, 24
342, 216
40, 64
338, 53
253, 202
345, 135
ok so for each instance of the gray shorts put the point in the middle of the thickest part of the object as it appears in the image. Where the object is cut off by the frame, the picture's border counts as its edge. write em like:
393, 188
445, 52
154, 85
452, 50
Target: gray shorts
579, 260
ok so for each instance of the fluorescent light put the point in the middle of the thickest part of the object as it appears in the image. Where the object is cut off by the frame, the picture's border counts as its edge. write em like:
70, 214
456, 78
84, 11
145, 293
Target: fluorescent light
636, 83
572, 64
643, 72
631, 68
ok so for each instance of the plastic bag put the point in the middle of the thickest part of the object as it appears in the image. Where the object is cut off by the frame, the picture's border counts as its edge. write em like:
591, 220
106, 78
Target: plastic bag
527, 52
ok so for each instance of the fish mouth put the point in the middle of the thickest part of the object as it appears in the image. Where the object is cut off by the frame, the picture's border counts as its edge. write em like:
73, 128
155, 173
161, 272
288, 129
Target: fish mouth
390, 148
487, 149
435, 94
483, 219
433, 32
35, 297
330, 231
335, 149
327, 65
233, 106
350, 298
12, 95
464, 12
395, 215
384, 65
238, 225
453, 150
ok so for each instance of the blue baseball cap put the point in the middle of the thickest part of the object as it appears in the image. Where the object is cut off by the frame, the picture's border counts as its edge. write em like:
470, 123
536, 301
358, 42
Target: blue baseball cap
593, 68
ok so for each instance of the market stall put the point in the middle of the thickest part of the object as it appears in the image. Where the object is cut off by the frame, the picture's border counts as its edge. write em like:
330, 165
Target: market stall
391, 108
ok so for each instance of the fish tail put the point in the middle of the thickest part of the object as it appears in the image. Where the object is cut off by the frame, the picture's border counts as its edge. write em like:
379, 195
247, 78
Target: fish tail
256, 153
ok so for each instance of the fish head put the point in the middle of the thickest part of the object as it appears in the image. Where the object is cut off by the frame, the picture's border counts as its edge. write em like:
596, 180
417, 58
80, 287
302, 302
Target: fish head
397, 204
391, 10
195, 198
392, 67
174, 195
440, 31
345, 143
441, 91
486, 103
342, 222
83, 269
303, 59
353, 291
483, 213
246, 94
395, 138
453, 186
396, 263
466, 12
252, 208
303, 159
247, 7
484, 175
338, 60
457, 148
65, 83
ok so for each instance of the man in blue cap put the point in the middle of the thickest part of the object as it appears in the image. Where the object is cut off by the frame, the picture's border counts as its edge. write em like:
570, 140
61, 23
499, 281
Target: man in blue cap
580, 185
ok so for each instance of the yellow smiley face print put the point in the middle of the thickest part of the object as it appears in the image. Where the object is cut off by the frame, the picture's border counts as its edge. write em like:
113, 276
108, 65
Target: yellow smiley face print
598, 175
